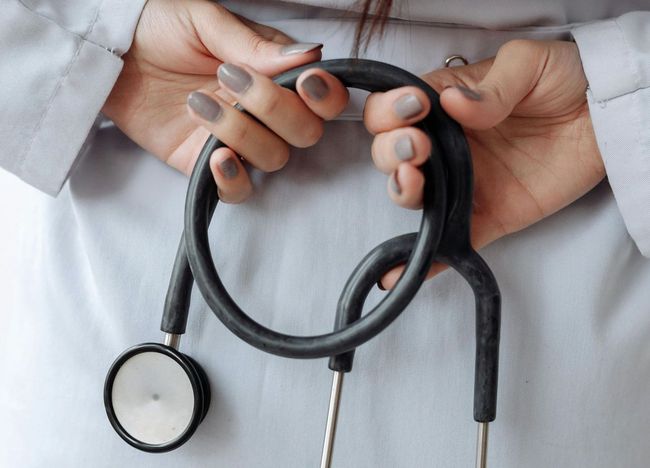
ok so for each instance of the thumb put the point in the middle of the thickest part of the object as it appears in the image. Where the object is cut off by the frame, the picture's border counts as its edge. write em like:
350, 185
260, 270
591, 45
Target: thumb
231, 39
514, 72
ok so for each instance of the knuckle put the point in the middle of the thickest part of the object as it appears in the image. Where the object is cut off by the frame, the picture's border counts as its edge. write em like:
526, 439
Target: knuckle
239, 131
241, 197
205, 14
500, 92
218, 11
223, 195
374, 149
521, 46
379, 144
372, 127
256, 44
438, 79
277, 159
368, 115
270, 105
422, 147
514, 45
310, 135
371, 123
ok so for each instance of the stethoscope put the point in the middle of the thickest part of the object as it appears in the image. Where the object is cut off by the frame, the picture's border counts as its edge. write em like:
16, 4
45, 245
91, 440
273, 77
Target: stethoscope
156, 397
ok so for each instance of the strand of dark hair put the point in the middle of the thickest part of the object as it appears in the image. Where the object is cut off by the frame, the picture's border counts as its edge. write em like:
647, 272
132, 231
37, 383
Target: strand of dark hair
374, 14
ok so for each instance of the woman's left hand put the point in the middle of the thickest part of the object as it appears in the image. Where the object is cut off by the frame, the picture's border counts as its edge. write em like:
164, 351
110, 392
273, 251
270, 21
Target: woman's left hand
526, 119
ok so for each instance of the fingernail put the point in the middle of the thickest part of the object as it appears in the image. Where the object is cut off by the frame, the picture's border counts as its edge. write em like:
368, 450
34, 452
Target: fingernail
300, 48
315, 87
234, 78
394, 184
404, 148
204, 106
380, 286
469, 93
228, 168
408, 106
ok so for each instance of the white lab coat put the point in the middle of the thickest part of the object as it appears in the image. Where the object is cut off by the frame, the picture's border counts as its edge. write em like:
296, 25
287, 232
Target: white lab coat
85, 273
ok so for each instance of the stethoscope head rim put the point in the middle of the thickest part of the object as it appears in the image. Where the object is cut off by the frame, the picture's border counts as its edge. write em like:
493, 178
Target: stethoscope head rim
199, 386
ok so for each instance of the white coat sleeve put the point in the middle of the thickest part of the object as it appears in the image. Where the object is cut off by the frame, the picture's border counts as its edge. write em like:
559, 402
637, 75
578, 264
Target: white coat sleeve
58, 63
616, 59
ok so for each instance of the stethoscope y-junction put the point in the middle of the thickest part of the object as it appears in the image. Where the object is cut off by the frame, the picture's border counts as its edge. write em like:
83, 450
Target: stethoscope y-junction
156, 396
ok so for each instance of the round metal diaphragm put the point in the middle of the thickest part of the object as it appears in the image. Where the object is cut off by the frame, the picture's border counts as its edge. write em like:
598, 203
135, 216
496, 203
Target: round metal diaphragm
155, 397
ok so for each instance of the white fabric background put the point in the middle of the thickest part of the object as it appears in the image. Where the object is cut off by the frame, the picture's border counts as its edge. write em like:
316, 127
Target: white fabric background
58, 62
619, 104
87, 274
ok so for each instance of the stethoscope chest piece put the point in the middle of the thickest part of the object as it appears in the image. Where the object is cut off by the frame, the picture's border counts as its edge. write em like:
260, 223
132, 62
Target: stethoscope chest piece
156, 397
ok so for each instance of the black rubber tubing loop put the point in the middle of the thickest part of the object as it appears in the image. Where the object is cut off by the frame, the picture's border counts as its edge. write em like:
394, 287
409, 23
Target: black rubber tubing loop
202, 193
448, 178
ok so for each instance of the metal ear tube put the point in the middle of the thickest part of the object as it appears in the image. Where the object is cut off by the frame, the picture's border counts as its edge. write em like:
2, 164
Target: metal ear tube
443, 236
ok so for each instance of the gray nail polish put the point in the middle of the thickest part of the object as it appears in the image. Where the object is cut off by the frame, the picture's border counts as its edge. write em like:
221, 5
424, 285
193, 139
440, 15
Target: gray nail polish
204, 106
408, 106
469, 93
315, 87
300, 48
394, 184
234, 78
404, 148
229, 168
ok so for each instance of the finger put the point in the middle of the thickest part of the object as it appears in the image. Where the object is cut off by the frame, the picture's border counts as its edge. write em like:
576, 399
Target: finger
185, 155
267, 32
514, 73
405, 186
394, 109
390, 149
389, 280
467, 75
280, 109
229, 39
323, 93
248, 138
483, 232
233, 183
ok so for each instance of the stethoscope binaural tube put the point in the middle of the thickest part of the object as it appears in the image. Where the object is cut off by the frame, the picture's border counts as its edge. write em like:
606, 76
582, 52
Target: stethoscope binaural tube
443, 236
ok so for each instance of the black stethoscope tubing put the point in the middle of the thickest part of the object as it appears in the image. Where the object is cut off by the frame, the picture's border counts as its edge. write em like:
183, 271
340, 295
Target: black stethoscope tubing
443, 236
